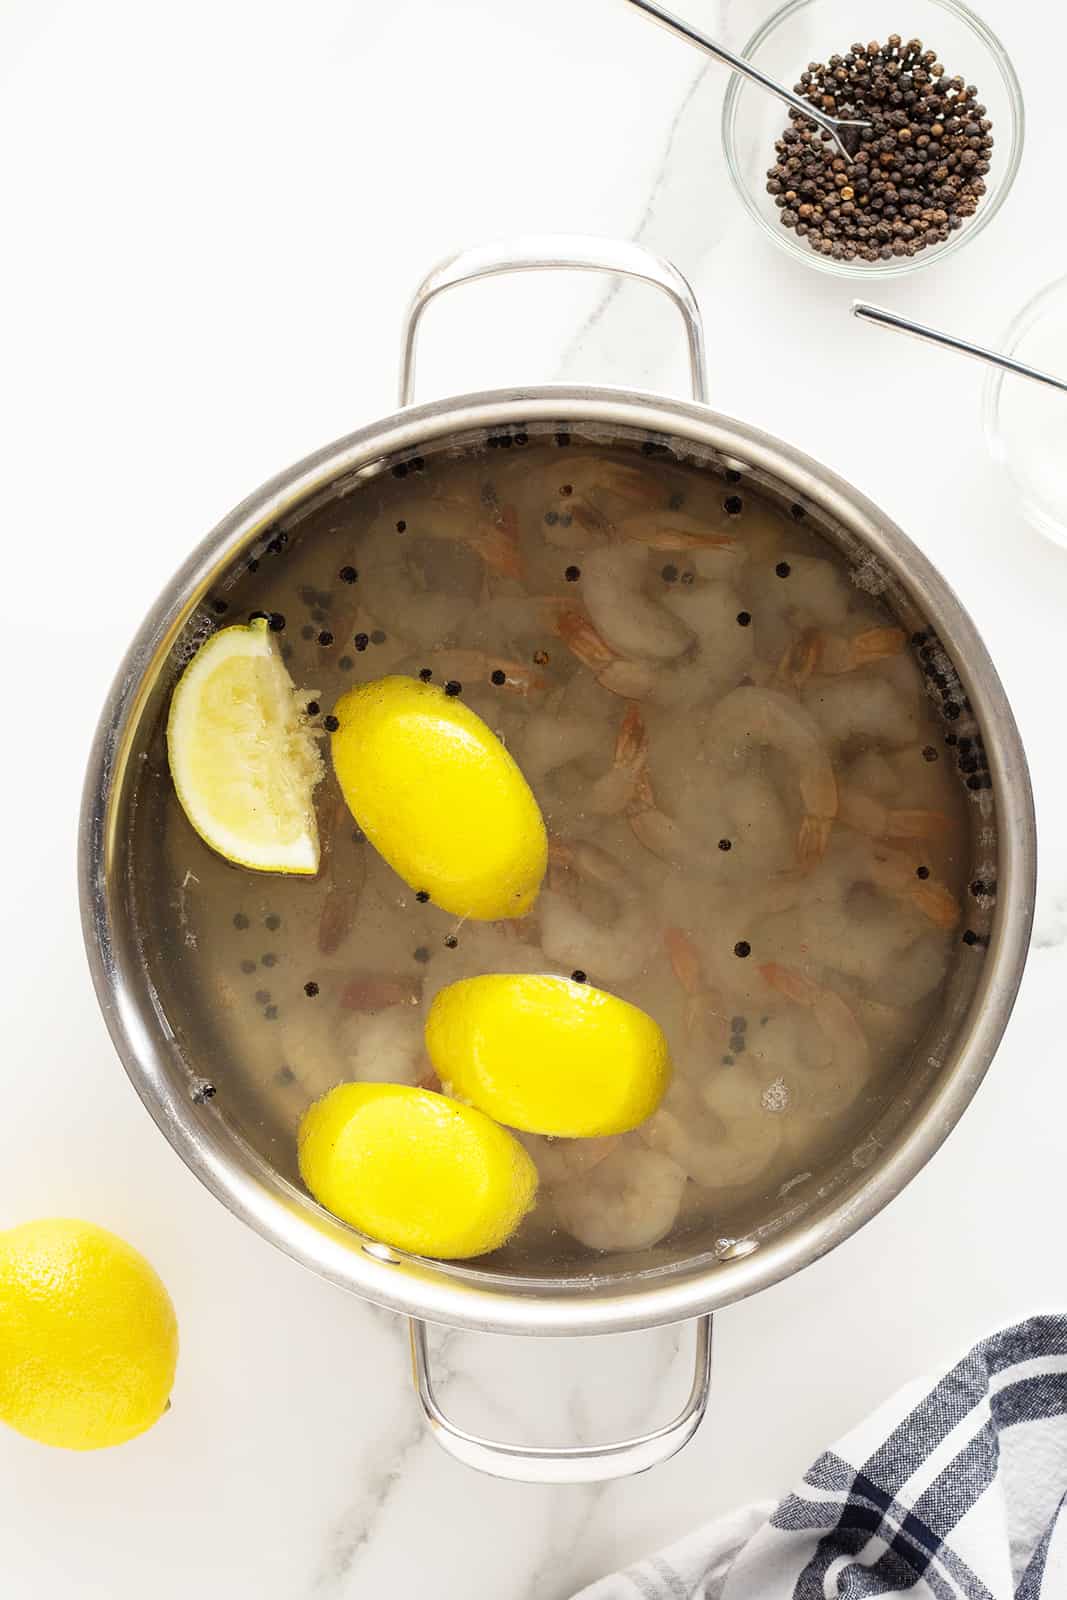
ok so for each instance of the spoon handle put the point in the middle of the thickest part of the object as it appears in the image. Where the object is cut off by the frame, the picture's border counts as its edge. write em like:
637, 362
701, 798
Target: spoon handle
890, 319
685, 30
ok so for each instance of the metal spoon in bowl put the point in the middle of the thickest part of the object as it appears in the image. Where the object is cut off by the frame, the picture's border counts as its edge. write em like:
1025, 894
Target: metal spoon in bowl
890, 319
845, 133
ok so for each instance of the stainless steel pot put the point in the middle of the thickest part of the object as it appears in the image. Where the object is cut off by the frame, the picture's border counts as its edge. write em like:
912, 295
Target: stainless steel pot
633, 1294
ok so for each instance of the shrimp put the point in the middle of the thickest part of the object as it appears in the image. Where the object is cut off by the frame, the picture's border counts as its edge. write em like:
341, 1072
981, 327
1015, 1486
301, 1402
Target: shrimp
661, 530
846, 1063
716, 1150
374, 991
614, 950
869, 708
901, 875
810, 594
558, 1161
490, 531
613, 791
688, 968
868, 815
628, 1201
625, 618
710, 610
832, 654
660, 834
749, 717
633, 680
594, 492
845, 1040
550, 741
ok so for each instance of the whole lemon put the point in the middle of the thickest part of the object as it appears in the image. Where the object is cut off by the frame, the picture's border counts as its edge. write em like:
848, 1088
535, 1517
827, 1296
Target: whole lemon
415, 1169
438, 795
548, 1055
88, 1335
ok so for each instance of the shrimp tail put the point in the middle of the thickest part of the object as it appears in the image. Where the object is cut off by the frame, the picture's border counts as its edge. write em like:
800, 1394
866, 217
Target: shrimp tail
937, 903
498, 545
916, 824
812, 840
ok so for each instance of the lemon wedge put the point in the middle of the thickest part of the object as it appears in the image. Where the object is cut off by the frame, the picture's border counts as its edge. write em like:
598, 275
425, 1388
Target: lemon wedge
439, 796
415, 1169
548, 1055
243, 761
88, 1336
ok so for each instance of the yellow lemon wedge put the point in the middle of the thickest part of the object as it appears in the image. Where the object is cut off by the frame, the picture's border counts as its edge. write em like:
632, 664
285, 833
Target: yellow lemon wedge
548, 1055
415, 1169
88, 1336
440, 798
243, 760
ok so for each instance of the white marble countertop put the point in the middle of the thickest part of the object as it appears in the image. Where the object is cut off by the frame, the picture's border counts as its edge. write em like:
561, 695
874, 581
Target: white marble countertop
213, 215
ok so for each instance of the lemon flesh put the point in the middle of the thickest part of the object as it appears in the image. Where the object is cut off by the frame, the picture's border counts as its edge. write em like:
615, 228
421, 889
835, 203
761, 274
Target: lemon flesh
243, 761
88, 1336
548, 1055
440, 798
415, 1169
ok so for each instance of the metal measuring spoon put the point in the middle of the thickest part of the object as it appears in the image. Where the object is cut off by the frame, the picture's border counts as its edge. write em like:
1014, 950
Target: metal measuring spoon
890, 319
845, 133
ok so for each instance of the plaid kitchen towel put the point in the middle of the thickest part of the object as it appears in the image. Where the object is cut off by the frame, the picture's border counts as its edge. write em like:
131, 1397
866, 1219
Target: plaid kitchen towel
952, 1491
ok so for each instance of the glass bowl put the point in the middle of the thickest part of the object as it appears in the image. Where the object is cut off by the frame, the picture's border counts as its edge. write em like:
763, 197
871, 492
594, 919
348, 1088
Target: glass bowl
810, 30
1025, 422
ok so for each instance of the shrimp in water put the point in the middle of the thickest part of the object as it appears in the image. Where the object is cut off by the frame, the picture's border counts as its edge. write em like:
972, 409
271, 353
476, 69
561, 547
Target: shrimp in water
846, 1063
749, 718
628, 621
613, 950
878, 821
614, 790
633, 680
595, 493
722, 1146
834, 654
560, 1161
628, 1201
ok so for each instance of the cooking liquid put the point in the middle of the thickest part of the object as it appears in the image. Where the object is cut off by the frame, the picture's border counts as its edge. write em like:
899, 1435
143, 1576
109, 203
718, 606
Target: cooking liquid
684, 663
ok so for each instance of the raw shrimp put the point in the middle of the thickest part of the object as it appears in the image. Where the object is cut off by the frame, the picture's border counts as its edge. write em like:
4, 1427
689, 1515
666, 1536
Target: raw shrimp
614, 790
559, 1161
812, 594
614, 950
550, 741
716, 1150
633, 680
702, 1007
710, 610
490, 531
847, 1054
833, 654
595, 492
628, 621
868, 707
628, 1201
670, 530
878, 821
749, 718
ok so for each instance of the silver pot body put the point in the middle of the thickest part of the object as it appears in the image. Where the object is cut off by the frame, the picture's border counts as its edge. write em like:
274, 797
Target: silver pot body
609, 1300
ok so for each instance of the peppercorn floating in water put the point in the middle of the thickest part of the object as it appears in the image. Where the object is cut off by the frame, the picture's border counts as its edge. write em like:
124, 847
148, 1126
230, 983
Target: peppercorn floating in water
743, 759
920, 169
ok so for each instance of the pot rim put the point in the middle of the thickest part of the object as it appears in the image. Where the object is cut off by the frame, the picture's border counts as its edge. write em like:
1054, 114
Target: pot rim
449, 1293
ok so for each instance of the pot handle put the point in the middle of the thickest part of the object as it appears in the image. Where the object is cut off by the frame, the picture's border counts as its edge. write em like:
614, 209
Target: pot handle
592, 1463
573, 252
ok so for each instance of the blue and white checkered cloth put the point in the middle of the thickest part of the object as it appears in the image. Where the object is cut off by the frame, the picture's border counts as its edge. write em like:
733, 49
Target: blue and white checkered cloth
951, 1491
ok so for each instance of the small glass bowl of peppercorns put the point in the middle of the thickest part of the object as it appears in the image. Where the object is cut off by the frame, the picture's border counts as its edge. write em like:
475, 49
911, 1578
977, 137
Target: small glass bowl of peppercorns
946, 134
